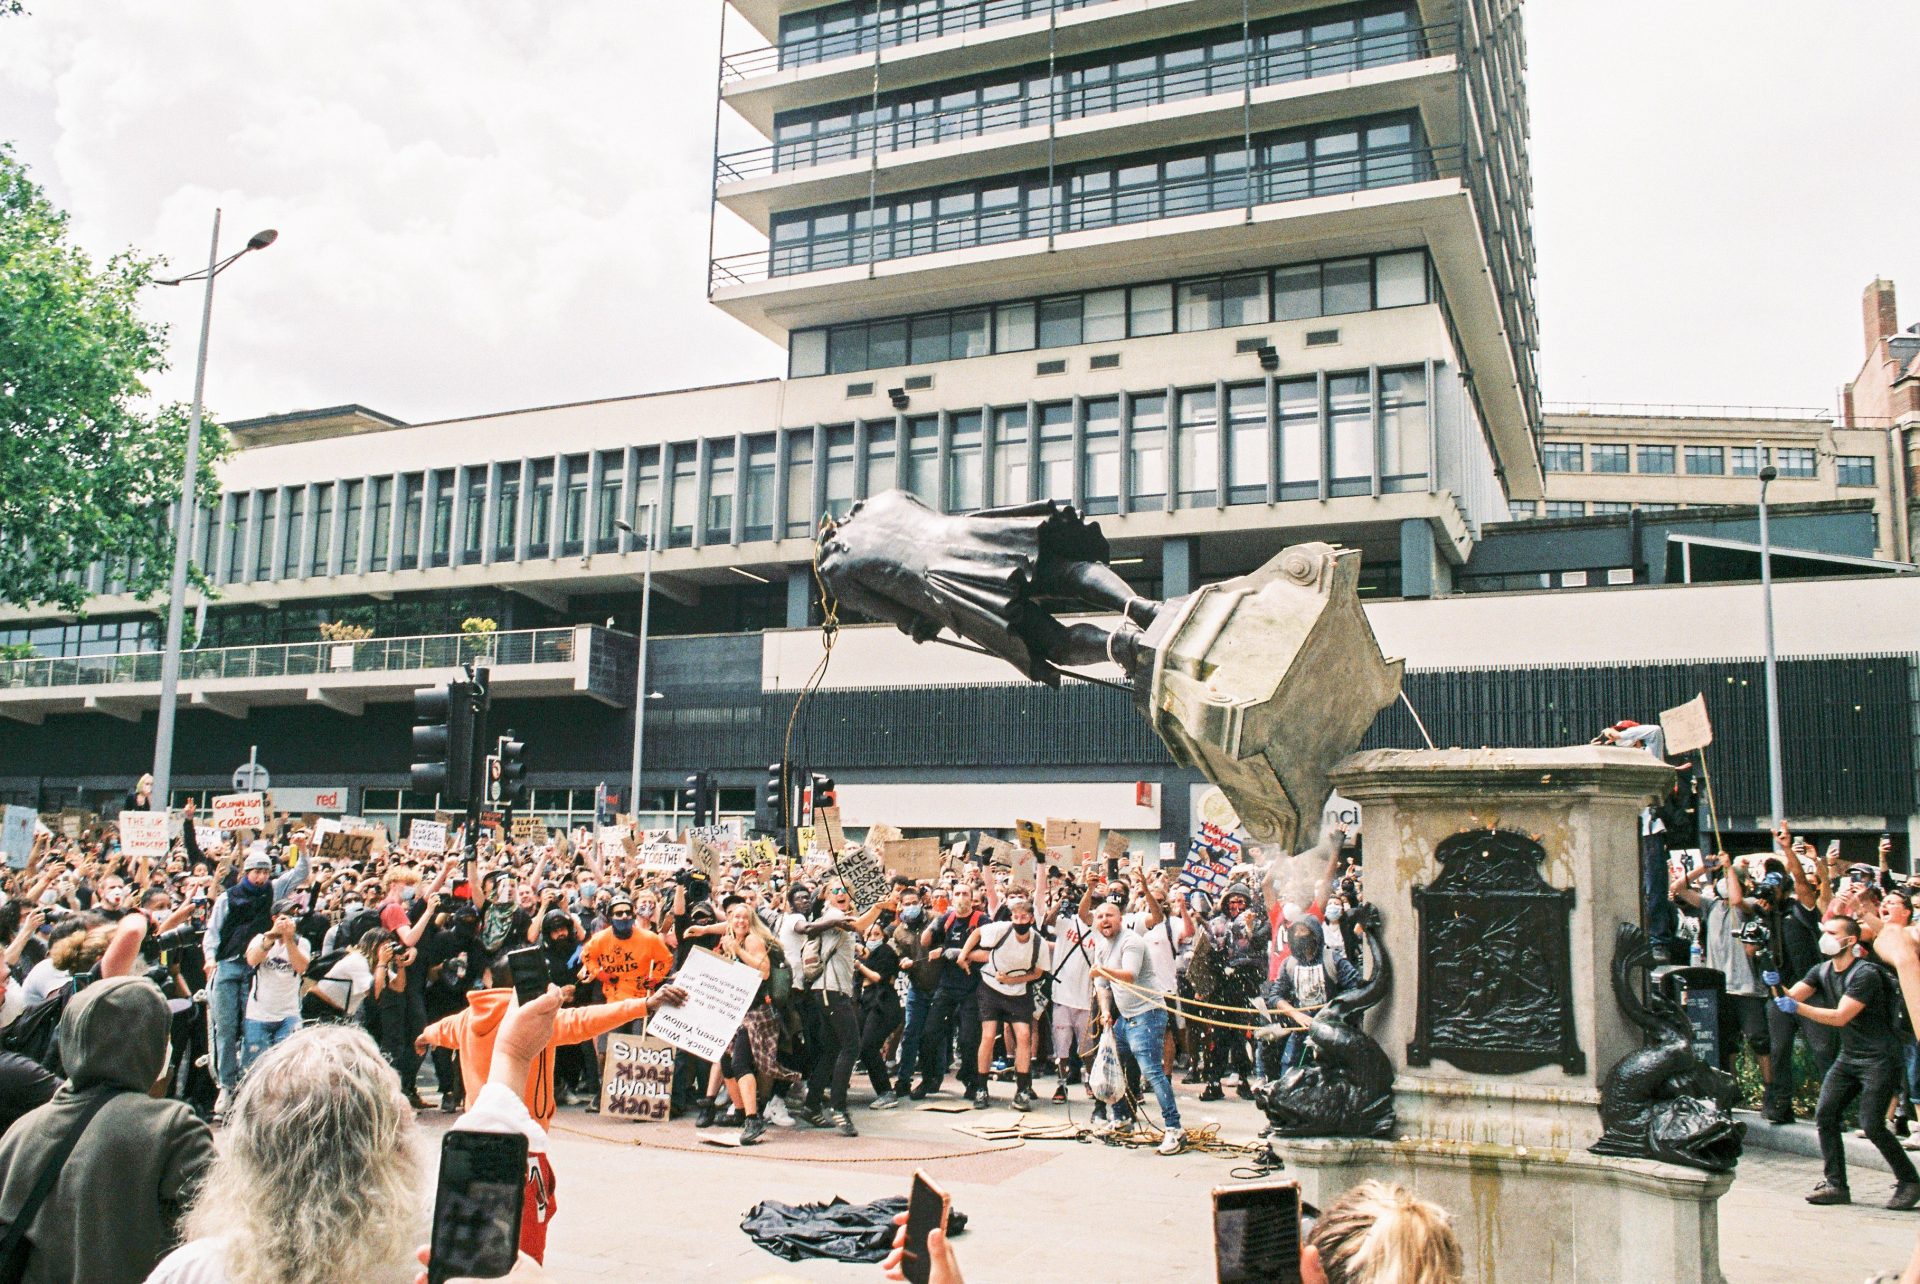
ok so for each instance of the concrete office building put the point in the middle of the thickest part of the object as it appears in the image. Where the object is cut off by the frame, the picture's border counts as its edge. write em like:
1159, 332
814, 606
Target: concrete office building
1226, 275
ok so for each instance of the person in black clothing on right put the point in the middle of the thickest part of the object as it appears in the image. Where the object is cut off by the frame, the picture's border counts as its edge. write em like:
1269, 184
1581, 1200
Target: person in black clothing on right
955, 1010
1856, 997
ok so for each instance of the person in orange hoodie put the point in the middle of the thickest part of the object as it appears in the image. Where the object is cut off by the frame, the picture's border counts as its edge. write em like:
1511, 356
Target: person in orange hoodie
472, 1032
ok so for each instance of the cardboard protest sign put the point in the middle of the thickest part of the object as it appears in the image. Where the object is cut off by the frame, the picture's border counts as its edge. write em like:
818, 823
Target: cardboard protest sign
1687, 727
70, 823
348, 845
239, 811
804, 840
866, 880
917, 858
1115, 845
527, 828
827, 821
1025, 863
718, 995
724, 839
16, 835
613, 845
664, 856
998, 851
1032, 836
758, 853
636, 1082
1083, 836
427, 836
144, 833
704, 856
880, 835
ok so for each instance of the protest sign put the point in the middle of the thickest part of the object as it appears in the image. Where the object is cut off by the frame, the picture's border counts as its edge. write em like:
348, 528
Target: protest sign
703, 855
427, 836
1032, 836
803, 840
1024, 865
16, 835
1115, 845
866, 880
1083, 836
998, 851
339, 843
758, 853
637, 1080
658, 855
917, 858
613, 846
1687, 726
827, 821
527, 828
718, 995
144, 833
1204, 871
724, 839
880, 835
239, 811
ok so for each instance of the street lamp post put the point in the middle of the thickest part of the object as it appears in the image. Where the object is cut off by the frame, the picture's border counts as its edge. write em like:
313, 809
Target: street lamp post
189, 509
640, 692
1776, 775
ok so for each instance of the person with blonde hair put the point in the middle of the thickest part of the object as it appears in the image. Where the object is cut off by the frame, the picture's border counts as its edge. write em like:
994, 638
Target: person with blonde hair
1381, 1233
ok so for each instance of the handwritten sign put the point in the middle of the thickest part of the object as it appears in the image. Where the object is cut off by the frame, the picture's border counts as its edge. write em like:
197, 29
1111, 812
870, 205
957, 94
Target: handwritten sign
704, 856
1115, 845
613, 845
827, 821
1032, 835
16, 835
345, 844
1687, 727
427, 836
880, 835
1083, 836
759, 853
1204, 872
144, 833
917, 858
665, 856
866, 881
637, 1081
724, 839
239, 811
527, 828
804, 840
718, 995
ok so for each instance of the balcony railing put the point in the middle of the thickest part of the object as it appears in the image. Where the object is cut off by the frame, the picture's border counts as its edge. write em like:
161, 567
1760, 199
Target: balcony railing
374, 655
866, 34
1210, 192
1218, 75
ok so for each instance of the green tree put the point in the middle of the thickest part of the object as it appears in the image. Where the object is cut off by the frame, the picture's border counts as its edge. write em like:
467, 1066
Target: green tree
88, 466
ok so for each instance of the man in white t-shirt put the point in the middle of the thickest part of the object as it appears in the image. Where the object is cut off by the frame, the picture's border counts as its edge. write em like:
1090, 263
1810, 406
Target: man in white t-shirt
279, 959
1072, 991
1009, 955
1164, 935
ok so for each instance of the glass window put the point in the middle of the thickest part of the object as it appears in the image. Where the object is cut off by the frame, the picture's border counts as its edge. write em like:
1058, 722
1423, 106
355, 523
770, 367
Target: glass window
296, 525
807, 353
350, 531
1296, 292
506, 512
1797, 461
473, 514
886, 344
1350, 433
1060, 321
606, 505
920, 464
965, 446
1056, 451
1405, 462
847, 349
931, 339
840, 474
263, 542
205, 525
1147, 455
1300, 442
970, 337
322, 546
1010, 456
1607, 458
1247, 444
1105, 316
1198, 305
683, 497
1243, 300
1563, 457
440, 546
1854, 470
722, 481
1747, 461
540, 508
758, 494
1519, 510
1610, 508
1706, 461
1399, 280
1566, 508
1013, 327
1346, 286
1199, 446
1150, 309
413, 509
645, 514
883, 473
1655, 459
1100, 462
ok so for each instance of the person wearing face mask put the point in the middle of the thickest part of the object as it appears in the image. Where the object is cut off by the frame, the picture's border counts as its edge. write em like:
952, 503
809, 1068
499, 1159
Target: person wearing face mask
626, 959
1856, 998
921, 962
1009, 956
1725, 906
880, 1016
1309, 978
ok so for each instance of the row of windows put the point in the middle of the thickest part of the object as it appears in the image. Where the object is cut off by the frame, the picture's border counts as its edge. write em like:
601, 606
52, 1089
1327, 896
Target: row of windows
1300, 292
1701, 461
1524, 509
1528, 580
93, 637
1189, 66
1314, 437
1287, 165
857, 26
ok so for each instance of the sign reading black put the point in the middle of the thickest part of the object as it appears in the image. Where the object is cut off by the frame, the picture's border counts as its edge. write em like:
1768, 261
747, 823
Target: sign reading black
1496, 974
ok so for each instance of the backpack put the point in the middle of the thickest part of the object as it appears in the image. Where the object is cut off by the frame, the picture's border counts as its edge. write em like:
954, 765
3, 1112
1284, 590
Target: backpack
35, 1033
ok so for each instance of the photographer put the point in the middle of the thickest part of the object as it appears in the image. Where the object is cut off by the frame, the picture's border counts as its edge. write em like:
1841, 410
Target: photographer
278, 957
243, 912
1786, 934
1725, 909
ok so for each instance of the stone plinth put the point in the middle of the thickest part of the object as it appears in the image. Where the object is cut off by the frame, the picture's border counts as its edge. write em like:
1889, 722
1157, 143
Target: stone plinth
1503, 1022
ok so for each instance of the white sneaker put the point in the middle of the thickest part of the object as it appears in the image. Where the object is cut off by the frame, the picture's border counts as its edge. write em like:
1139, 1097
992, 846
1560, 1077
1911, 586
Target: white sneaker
1173, 1141
220, 1106
776, 1113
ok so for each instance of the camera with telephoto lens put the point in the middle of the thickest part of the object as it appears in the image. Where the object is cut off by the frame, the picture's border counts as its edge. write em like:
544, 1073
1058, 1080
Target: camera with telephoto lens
1756, 933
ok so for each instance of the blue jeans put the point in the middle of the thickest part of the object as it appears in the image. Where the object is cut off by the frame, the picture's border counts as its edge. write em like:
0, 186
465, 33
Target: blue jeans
258, 1036
1145, 1035
918, 1001
227, 997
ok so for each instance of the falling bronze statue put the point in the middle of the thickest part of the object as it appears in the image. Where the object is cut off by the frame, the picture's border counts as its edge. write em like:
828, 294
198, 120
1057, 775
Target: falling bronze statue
1261, 683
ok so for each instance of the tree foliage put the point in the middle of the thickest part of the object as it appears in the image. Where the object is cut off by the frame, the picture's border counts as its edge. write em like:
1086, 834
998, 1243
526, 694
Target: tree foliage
88, 466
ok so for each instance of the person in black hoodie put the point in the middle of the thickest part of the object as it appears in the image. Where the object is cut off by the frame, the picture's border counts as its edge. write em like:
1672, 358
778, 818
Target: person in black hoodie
244, 911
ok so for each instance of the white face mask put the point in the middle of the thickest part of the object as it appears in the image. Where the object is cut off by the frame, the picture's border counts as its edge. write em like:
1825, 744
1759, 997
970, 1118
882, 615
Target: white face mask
1829, 944
1333, 913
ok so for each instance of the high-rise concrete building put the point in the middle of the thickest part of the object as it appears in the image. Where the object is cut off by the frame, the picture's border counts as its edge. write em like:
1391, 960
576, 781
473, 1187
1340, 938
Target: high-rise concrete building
1222, 272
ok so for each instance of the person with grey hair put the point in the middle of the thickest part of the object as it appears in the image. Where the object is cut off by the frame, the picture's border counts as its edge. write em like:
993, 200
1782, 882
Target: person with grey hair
97, 1178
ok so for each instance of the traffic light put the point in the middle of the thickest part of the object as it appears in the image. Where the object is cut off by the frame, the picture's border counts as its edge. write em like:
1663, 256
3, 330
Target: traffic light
512, 753
775, 810
698, 798
824, 794
443, 748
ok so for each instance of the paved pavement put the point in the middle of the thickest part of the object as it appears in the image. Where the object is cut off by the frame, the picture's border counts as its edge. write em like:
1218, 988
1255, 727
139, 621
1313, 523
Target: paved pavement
645, 1199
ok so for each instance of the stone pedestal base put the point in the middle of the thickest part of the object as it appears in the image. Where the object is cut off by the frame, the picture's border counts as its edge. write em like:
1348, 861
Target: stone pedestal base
1528, 1215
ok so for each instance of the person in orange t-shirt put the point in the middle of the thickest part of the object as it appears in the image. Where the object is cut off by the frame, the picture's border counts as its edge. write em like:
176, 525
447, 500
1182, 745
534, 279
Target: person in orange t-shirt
628, 961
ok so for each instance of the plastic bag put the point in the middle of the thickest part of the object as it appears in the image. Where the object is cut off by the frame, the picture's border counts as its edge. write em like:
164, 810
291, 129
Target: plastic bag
1107, 1080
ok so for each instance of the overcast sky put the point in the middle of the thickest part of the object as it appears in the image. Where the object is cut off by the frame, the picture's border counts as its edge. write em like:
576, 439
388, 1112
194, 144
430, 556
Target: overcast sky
491, 205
